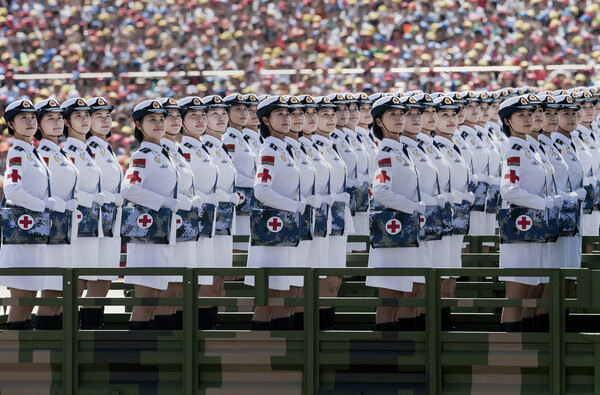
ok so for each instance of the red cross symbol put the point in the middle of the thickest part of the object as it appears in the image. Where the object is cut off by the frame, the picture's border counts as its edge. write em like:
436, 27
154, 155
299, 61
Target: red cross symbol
370, 194
393, 226
25, 222
178, 221
241, 196
512, 176
274, 224
14, 176
144, 221
79, 216
422, 220
524, 223
134, 177
264, 176
383, 177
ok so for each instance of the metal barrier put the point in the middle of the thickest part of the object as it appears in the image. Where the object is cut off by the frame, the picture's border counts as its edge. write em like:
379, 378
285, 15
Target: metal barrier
310, 361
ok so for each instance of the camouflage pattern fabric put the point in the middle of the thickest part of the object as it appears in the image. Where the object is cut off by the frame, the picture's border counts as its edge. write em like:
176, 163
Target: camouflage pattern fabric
352, 201
362, 198
480, 192
109, 216
206, 219
88, 224
568, 224
306, 220
376, 206
597, 194
447, 219
23, 226
248, 200
493, 201
60, 227
523, 225
431, 224
393, 229
224, 219
187, 225
553, 224
461, 215
338, 221
321, 218
274, 228
588, 203
146, 226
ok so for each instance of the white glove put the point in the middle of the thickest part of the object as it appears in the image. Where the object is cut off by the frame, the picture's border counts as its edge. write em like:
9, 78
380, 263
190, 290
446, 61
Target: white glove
171, 203
235, 198
420, 207
185, 203
343, 197
223, 196
71, 204
492, 180
558, 201
469, 197
314, 201
440, 200
458, 197
328, 199
197, 201
301, 207
118, 199
548, 202
212, 199
362, 178
581, 193
99, 198
55, 203
572, 197
108, 197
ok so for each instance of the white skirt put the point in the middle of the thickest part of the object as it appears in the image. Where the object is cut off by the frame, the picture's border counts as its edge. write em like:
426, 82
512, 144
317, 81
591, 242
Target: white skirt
393, 257
337, 251
300, 259
109, 255
242, 228
573, 254
86, 254
522, 255
318, 252
58, 256
455, 250
149, 255
477, 223
222, 251
205, 257
261, 256
590, 223
361, 228
33, 255
490, 224
184, 256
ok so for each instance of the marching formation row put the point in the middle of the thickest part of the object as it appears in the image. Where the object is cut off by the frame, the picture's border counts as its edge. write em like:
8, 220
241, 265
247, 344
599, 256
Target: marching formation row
298, 174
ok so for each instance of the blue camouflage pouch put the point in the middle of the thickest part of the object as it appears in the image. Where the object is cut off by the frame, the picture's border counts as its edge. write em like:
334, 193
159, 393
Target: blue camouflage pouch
338, 219
186, 224
321, 218
87, 218
247, 200
394, 229
274, 228
206, 219
24, 226
461, 215
522, 225
143, 225
224, 219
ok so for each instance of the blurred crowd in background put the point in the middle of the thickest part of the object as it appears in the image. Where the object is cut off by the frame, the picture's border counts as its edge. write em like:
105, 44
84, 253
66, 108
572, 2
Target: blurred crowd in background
119, 37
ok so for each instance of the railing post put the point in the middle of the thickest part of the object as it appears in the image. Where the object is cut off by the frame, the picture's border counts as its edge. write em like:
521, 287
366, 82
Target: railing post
432, 295
189, 329
557, 332
70, 331
311, 332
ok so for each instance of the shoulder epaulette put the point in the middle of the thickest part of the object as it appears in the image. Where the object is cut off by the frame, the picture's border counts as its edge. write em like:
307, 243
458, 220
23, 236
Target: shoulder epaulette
232, 135
516, 147
72, 148
94, 144
273, 146
387, 149
334, 135
319, 142
464, 134
145, 150
209, 144
46, 148
188, 145
247, 138
18, 148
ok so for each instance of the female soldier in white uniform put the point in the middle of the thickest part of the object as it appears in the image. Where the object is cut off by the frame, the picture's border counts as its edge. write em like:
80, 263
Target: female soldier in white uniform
109, 251
216, 114
460, 174
77, 126
277, 185
26, 185
243, 159
318, 254
395, 186
64, 185
427, 173
150, 181
523, 184
330, 286
366, 136
185, 251
193, 113
251, 133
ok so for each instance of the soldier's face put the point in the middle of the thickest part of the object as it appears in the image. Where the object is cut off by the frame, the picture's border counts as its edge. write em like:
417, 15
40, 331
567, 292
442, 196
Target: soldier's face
521, 122
461, 114
173, 122
310, 120
80, 121
101, 122
413, 122
153, 126
472, 113
494, 107
587, 112
252, 118
238, 115
538, 119
298, 120
364, 115
217, 119
551, 120
279, 120
342, 115
392, 121
484, 113
429, 118
353, 115
567, 120
327, 120
447, 121
25, 124
52, 124
195, 123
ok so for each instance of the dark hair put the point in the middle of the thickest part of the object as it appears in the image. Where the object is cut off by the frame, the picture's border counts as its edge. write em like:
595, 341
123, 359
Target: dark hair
505, 128
138, 134
264, 130
377, 132
11, 131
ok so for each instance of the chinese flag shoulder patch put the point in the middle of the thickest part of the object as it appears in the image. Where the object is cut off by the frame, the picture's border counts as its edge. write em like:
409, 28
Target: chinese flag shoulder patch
139, 163
16, 161
230, 147
267, 160
187, 156
385, 162
513, 161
